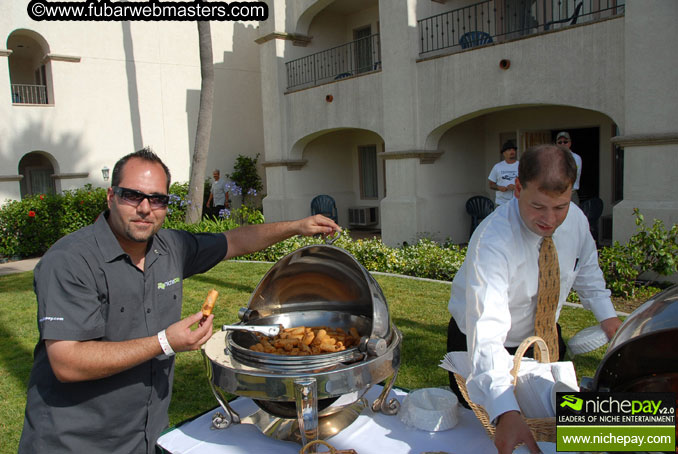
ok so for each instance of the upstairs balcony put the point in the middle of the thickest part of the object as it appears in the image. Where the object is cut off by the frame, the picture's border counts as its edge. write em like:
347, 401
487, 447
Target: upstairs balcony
355, 58
29, 94
493, 21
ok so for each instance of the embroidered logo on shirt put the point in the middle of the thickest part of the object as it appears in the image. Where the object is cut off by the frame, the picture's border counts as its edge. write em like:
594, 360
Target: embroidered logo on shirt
163, 285
51, 319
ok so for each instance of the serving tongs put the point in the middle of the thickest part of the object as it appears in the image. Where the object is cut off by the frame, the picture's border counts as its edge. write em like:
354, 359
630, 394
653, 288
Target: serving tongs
266, 330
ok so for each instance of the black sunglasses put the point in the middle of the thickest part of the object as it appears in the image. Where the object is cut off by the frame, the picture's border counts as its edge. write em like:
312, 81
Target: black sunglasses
134, 197
561, 142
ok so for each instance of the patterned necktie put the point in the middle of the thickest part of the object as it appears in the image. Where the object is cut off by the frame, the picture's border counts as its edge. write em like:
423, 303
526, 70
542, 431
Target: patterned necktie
548, 294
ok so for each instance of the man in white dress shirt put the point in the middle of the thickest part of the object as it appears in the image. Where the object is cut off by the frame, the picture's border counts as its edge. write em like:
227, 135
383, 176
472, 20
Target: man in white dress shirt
494, 294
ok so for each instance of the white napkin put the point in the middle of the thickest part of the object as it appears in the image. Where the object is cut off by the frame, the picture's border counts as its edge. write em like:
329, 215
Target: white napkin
536, 385
457, 362
533, 389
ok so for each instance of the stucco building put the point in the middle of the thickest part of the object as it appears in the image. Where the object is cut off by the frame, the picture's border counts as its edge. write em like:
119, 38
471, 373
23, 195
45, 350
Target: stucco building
76, 96
390, 105
396, 109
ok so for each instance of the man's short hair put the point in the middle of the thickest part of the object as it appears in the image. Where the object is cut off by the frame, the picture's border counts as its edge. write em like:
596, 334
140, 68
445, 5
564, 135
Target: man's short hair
550, 167
508, 145
147, 155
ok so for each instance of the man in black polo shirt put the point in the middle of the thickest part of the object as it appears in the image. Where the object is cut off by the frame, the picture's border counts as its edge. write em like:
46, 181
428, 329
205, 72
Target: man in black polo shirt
109, 315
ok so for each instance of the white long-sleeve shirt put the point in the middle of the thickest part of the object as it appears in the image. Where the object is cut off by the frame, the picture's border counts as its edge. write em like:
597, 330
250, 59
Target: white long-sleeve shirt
494, 294
577, 160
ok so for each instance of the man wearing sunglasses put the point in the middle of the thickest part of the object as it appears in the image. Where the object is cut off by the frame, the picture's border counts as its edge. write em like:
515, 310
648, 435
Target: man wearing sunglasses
109, 315
563, 140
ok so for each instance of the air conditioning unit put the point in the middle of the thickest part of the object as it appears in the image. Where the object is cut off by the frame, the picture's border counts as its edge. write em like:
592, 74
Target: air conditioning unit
363, 216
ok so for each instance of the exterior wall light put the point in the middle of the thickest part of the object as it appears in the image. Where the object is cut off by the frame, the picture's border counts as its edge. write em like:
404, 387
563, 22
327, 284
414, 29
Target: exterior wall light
105, 172
329, 98
505, 63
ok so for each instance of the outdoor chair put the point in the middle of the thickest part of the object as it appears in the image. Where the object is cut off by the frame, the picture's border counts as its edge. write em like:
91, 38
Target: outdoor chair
324, 204
572, 19
474, 38
479, 207
593, 209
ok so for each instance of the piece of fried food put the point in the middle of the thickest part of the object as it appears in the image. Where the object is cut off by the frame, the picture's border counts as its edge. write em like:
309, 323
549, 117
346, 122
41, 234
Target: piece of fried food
210, 301
303, 341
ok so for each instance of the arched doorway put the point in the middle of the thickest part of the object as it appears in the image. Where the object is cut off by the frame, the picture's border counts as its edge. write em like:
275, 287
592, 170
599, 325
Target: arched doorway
37, 170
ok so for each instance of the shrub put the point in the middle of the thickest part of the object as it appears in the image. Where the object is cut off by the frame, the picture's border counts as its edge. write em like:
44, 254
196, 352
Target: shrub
207, 225
424, 259
245, 177
30, 226
617, 264
176, 209
428, 259
654, 248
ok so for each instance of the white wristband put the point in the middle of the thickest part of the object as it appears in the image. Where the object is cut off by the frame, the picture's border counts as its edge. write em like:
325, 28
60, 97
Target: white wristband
164, 343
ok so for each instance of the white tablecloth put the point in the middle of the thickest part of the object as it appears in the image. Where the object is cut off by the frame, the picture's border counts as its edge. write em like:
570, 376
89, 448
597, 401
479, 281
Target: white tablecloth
370, 433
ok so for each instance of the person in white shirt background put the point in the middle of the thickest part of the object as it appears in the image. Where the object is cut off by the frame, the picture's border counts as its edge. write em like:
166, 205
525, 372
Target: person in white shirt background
494, 294
563, 139
218, 195
503, 175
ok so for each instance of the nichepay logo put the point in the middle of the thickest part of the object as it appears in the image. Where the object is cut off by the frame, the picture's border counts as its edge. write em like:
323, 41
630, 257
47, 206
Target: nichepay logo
164, 285
616, 421
575, 403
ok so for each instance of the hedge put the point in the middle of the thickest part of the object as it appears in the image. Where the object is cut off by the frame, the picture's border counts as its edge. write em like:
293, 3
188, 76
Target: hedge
30, 226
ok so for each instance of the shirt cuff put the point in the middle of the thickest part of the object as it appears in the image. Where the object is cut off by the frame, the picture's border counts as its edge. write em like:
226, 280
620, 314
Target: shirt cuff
602, 309
500, 404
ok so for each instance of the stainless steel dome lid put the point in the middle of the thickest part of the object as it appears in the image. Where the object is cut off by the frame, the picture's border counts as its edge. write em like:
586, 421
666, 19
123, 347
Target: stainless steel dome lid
644, 346
320, 277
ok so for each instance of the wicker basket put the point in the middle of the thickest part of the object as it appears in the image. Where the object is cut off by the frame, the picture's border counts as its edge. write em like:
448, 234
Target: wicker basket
543, 429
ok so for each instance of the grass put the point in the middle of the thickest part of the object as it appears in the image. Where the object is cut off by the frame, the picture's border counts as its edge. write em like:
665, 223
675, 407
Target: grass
418, 309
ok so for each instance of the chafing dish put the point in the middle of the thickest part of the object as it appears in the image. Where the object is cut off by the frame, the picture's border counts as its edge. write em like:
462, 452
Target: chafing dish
307, 397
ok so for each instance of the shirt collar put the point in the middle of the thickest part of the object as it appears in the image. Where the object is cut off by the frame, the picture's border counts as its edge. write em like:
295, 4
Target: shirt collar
110, 247
529, 236
106, 240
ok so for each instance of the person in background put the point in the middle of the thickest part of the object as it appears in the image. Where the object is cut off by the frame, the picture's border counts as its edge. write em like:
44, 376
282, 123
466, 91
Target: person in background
503, 175
563, 139
218, 195
109, 316
494, 294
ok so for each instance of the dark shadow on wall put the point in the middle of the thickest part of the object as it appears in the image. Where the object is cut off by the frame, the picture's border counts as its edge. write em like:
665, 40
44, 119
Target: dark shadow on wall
237, 125
132, 88
38, 136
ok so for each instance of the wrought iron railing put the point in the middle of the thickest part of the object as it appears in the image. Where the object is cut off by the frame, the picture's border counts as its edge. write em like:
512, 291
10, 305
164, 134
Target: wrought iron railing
29, 94
357, 57
498, 20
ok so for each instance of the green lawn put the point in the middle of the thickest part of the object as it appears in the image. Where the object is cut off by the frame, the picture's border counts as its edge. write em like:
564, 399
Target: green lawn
418, 309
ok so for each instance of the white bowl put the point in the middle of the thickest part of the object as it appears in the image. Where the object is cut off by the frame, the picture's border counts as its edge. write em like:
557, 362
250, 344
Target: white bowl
430, 409
587, 340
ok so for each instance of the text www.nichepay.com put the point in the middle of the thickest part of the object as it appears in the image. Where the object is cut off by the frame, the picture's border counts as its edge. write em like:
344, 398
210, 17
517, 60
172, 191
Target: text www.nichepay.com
612, 439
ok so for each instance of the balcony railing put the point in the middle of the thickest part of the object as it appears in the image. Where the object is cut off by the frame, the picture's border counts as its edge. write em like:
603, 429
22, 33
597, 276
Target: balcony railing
29, 94
499, 20
357, 57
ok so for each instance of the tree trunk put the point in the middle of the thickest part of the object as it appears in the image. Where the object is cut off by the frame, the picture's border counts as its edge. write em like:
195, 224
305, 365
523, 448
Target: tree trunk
204, 129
